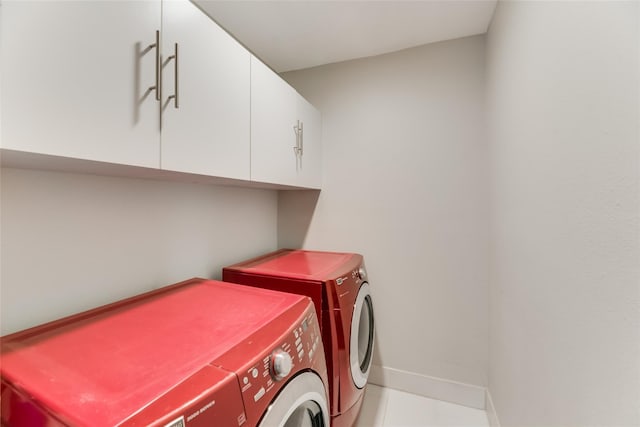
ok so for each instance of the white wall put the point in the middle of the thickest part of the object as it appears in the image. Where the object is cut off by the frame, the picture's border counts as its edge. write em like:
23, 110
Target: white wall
565, 150
71, 242
405, 185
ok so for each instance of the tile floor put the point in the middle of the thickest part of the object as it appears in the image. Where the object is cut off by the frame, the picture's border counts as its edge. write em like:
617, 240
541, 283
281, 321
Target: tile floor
385, 407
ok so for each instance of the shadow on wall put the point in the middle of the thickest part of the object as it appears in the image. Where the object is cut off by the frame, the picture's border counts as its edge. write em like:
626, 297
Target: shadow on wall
295, 211
377, 355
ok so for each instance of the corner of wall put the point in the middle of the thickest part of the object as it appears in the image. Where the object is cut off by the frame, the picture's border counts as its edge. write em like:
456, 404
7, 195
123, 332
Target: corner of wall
492, 415
295, 211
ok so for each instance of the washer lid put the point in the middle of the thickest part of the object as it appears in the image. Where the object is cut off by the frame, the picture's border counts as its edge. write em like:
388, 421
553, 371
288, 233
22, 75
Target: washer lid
308, 265
100, 367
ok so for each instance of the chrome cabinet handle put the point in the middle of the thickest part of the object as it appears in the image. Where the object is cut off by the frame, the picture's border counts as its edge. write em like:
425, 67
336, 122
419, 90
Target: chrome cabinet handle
156, 46
301, 137
175, 95
299, 148
299, 131
296, 130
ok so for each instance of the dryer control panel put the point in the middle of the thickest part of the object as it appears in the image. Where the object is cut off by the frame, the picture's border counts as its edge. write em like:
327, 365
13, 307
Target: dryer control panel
261, 377
299, 347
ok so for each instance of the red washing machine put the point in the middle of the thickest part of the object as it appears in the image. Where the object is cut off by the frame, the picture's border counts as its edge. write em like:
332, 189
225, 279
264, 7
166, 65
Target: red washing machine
198, 353
337, 284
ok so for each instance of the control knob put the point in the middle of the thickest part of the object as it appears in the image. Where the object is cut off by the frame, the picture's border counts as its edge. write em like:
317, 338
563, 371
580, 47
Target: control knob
362, 273
281, 364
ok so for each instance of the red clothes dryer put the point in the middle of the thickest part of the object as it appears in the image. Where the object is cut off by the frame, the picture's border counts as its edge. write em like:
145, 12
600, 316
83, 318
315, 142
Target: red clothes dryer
338, 286
198, 353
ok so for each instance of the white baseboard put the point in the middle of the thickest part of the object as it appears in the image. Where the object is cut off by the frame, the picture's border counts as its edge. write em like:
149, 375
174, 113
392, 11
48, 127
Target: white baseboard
491, 412
436, 388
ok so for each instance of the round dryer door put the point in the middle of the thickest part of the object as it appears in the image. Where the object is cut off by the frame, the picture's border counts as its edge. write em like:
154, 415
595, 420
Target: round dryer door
301, 403
362, 327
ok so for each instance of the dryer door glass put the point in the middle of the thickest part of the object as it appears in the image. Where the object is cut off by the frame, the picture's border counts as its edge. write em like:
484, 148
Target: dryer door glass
365, 334
362, 333
308, 414
301, 403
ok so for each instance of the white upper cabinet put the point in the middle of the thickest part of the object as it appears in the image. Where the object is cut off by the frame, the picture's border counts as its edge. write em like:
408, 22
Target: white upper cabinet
76, 78
78, 85
285, 132
273, 117
208, 132
310, 159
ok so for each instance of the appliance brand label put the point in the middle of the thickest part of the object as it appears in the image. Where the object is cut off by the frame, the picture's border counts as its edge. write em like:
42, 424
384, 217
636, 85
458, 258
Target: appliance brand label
201, 410
176, 423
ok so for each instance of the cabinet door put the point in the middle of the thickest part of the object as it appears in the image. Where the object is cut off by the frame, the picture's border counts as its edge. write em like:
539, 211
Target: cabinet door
273, 118
310, 163
76, 78
208, 133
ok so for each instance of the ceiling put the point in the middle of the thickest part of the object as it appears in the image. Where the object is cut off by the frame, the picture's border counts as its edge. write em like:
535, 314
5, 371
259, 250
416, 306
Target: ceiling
295, 34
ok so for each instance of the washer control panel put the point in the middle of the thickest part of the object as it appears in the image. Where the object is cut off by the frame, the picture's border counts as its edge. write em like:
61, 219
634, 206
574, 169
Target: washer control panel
359, 274
299, 347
